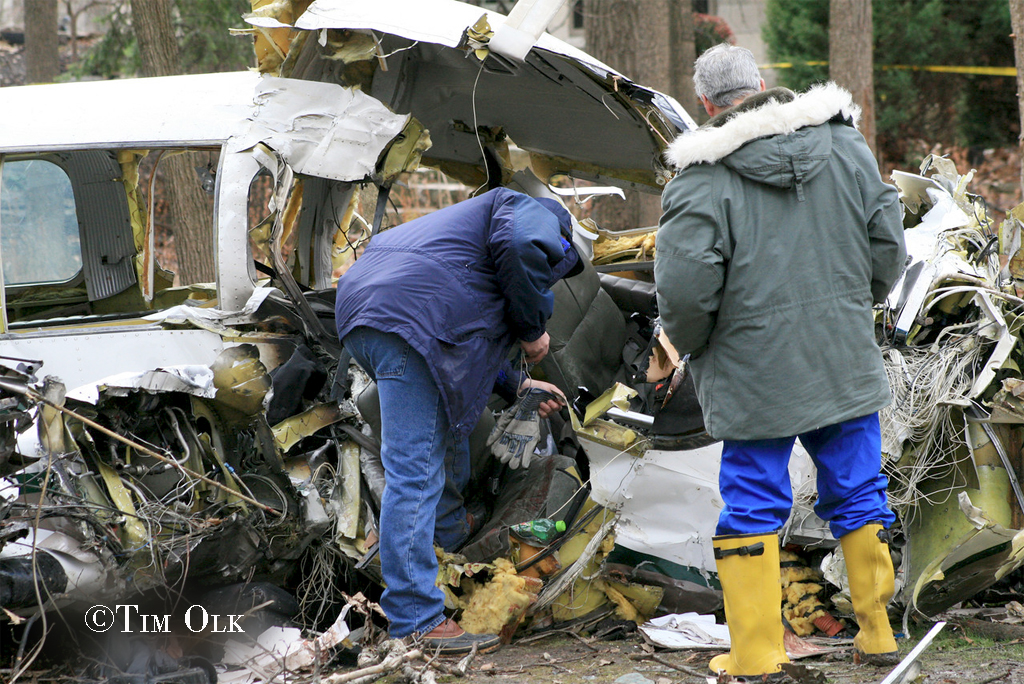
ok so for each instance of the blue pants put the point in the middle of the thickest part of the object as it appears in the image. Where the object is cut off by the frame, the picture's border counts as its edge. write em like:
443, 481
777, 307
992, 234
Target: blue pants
754, 479
426, 470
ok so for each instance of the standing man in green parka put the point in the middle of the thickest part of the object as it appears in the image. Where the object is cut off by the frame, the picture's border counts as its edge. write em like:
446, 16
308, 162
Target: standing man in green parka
778, 236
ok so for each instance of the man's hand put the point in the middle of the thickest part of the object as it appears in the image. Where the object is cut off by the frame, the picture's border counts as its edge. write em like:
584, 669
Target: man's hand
536, 350
546, 408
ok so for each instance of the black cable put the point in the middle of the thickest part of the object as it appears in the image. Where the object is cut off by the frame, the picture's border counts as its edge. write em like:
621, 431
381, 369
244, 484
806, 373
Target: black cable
24, 639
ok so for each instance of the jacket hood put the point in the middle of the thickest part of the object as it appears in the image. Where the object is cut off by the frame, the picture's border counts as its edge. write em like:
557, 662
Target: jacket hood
572, 264
771, 113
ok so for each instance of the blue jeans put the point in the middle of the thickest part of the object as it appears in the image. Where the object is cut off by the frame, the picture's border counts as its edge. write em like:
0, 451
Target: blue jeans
754, 479
426, 470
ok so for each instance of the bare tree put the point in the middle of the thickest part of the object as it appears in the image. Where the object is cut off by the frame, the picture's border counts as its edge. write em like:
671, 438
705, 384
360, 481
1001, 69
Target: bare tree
42, 61
1017, 23
190, 212
652, 43
74, 10
851, 57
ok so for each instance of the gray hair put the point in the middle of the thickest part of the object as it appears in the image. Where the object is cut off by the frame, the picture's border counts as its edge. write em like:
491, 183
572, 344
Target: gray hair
725, 73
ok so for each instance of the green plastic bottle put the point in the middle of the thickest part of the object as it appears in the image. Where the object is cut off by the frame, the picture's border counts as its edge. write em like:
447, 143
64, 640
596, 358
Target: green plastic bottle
538, 532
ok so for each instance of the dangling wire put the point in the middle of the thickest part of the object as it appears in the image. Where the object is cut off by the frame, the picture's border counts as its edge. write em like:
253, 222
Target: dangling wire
476, 132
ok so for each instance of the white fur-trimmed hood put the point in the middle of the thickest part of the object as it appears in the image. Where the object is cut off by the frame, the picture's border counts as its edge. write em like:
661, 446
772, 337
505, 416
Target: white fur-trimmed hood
708, 144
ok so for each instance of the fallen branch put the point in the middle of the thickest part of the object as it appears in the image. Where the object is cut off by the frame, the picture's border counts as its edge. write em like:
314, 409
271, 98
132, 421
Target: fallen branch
996, 678
374, 672
464, 664
583, 641
414, 676
456, 671
661, 661
542, 635
998, 631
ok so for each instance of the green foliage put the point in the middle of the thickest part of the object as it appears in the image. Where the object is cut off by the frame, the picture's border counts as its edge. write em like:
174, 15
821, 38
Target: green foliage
797, 31
116, 54
203, 36
710, 30
940, 107
204, 43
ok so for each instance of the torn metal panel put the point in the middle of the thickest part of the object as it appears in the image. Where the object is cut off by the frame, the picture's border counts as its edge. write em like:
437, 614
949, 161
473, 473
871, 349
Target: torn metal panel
346, 497
320, 129
653, 524
90, 354
688, 630
619, 128
284, 182
288, 433
974, 561
217, 320
194, 380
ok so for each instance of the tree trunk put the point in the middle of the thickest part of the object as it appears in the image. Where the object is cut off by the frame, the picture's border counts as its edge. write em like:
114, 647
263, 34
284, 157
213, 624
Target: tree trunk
191, 214
42, 61
851, 58
650, 42
1017, 24
683, 45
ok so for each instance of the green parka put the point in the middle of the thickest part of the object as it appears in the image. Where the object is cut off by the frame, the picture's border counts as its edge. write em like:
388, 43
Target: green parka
777, 236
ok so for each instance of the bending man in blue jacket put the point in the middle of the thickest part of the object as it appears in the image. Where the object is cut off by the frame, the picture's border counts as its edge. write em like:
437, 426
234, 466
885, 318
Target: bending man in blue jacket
431, 311
777, 236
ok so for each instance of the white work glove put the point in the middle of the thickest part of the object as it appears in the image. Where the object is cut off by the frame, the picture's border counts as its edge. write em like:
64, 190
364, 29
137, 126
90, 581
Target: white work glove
517, 432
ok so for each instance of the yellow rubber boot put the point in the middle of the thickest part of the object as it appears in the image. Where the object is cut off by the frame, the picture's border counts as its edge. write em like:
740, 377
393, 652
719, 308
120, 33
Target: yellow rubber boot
748, 568
869, 568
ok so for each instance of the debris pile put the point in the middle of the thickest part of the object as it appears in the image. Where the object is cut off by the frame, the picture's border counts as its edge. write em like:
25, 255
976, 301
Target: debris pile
950, 333
239, 475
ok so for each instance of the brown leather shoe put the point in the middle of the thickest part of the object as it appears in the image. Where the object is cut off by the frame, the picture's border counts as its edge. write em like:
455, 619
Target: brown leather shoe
448, 639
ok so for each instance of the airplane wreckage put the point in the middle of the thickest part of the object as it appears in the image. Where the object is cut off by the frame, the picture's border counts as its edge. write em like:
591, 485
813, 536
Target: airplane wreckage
214, 441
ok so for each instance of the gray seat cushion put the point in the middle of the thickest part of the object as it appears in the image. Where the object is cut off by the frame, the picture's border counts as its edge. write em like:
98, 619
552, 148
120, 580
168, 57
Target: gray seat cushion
587, 332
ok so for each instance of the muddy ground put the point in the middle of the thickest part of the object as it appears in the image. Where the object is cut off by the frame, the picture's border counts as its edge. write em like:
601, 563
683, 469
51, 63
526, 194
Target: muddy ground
957, 656
969, 650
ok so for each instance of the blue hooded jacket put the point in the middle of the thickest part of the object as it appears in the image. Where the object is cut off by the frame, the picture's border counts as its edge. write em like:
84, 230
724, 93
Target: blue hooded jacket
461, 285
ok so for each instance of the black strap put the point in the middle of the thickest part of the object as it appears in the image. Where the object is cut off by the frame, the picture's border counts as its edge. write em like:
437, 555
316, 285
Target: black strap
886, 536
752, 550
383, 191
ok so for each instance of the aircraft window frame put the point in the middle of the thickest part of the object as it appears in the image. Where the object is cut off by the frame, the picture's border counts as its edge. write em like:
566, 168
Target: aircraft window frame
73, 256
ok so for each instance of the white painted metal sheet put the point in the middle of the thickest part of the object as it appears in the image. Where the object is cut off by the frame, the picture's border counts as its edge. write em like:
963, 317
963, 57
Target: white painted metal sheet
80, 357
321, 129
141, 112
668, 501
432, 21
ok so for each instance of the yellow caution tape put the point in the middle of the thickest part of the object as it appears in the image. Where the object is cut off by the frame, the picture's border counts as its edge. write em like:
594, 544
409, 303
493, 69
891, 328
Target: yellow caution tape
976, 70
789, 65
